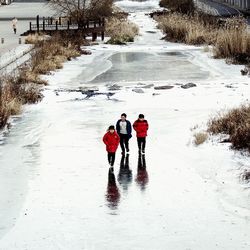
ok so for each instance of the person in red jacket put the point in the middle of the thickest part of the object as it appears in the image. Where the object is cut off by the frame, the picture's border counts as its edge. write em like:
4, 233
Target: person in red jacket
141, 128
111, 140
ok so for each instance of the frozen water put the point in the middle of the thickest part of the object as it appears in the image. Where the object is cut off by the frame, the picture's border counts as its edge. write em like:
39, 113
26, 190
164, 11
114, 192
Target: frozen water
54, 172
141, 66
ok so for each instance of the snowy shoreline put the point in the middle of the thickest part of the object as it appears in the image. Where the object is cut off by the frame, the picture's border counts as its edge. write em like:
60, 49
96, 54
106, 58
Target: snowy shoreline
55, 182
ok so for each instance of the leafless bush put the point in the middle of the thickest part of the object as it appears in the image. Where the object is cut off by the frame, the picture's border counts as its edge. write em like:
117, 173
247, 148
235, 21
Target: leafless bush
182, 6
121, 31
235, 123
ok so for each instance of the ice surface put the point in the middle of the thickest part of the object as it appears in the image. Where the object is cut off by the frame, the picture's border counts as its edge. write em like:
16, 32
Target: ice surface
54, 171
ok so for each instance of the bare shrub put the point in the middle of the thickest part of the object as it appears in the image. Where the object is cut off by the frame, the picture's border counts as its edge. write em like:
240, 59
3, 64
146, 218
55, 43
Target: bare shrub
200, 138
50, 55
235, 123
80, 10
30, 93
121, 31
9, 103
245, 176
182, 6
34, 38
27, 76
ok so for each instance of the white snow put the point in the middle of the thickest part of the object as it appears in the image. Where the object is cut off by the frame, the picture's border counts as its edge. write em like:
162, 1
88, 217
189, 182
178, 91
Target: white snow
54, 174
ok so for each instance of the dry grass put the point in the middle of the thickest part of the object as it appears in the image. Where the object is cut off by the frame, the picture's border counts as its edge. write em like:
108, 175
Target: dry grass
121, 31
235, 123
48, 55
229, 38
233, 41
186, 29
200, 138
9, 103
35, 38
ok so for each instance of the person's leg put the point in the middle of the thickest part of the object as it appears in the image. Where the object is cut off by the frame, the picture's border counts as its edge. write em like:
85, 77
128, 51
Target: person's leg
122, 140
112, 159
139, 144
126, 139
143, 144
109, 157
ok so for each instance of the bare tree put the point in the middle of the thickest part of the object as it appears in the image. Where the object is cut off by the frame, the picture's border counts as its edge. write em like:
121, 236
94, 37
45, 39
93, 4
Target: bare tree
80, 10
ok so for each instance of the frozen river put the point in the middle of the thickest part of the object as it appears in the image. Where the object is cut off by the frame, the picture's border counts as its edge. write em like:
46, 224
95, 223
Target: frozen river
54, 171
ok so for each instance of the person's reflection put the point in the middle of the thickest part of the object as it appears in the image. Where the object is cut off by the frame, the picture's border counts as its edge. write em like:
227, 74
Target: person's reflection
125, 173
113, 194
142, 174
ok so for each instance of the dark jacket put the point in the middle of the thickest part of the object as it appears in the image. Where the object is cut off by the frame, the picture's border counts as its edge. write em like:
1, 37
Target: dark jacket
129, 128
111, 141
141, 128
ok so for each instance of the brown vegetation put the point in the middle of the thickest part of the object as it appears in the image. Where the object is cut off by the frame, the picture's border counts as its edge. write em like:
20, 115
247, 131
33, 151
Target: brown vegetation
233, 41
182, 6
191, 30
80, 10
235, 123
48, 55
200, 138
121, 30
13, 95
229, 38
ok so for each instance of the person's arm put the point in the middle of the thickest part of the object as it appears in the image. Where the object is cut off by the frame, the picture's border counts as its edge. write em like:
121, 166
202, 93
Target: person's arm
118, 126
135, 125
117, 140
129, 127
147, 125
105, 139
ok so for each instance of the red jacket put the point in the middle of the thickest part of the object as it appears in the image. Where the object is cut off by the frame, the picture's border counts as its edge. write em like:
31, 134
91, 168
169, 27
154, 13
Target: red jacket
141, 128
111, 141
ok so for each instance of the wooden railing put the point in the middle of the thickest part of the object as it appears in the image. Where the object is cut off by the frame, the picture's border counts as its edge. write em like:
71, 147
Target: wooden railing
50, 25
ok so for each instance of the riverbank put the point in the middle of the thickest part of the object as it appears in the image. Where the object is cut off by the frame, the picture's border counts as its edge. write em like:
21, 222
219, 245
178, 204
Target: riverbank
56, 190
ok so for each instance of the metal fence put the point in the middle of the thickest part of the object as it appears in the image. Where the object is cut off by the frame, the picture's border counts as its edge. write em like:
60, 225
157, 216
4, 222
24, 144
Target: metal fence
241, 4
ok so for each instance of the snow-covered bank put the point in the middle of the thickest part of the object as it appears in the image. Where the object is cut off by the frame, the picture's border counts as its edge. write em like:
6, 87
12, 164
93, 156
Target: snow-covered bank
55, 181
14, 58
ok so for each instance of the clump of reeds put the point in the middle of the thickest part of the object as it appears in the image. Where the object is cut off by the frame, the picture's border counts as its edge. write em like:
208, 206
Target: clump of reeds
229, 37
200, 137
186, 29
121, 31
233, 41
235, 123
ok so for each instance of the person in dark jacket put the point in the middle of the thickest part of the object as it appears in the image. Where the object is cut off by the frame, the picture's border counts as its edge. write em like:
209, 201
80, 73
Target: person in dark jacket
124, 130
111, 140
141, 128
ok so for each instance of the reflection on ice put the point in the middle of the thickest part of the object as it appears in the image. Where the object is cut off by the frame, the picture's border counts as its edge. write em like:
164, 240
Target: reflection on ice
142, 174
125, 173
113, 194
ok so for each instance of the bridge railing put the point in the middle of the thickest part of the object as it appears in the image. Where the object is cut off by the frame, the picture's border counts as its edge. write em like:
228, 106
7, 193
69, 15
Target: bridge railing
50, 24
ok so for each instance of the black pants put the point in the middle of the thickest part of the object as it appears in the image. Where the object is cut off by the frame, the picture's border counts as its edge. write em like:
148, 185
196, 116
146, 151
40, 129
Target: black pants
124, 141
141, 143
111, 158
